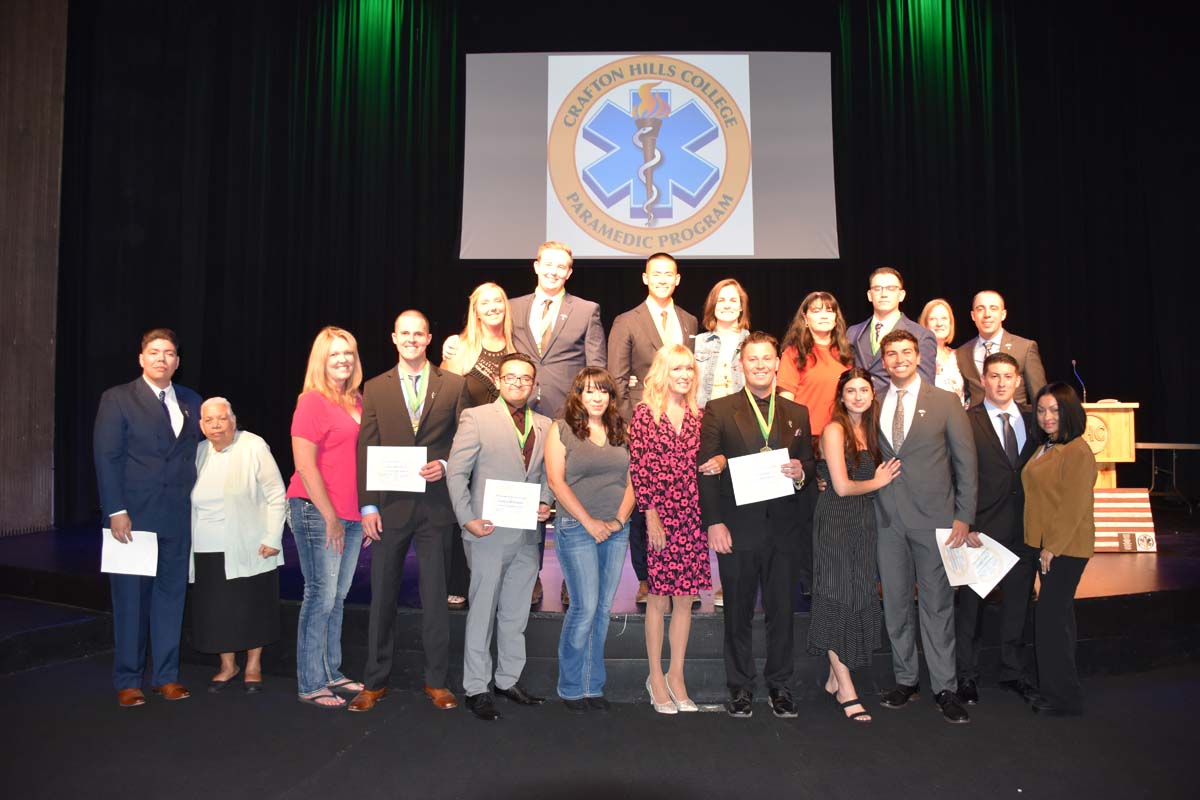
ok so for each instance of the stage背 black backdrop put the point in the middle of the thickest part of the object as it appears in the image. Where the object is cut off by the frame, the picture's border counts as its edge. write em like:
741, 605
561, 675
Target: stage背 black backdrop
248, 172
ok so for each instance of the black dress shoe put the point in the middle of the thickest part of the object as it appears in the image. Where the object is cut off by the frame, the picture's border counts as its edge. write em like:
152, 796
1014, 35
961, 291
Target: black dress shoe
782, 704
481, 705
968, 692
901, 696
741, 703
579, 706
599, 704
951, 708
1021, 688
1045, 708
517, 694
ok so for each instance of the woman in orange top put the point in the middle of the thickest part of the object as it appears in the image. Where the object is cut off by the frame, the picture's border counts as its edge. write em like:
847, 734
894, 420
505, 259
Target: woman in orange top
1060, 523
815, 354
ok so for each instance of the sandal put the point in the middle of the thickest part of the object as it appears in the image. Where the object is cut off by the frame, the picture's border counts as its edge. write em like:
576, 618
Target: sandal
861, 716
345, 685
322, 694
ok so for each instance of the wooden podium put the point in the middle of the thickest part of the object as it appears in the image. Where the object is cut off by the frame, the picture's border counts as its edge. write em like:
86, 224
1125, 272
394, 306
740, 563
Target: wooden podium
1110, 435
1124, 523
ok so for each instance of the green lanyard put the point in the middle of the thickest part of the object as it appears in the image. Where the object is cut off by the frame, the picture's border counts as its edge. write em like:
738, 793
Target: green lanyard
764, 426
415, 399
522, 438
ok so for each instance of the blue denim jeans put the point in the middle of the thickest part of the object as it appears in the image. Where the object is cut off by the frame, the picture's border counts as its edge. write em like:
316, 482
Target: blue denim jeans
592, 572
327, 578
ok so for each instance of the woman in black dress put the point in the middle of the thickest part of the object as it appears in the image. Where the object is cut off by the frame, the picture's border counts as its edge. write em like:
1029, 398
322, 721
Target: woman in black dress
846, 616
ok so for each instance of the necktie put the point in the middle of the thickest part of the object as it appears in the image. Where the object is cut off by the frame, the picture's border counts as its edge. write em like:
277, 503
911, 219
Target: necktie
162, 398
547, 326
898, 421
878, 331
1010, 440
664, 327
414, 414
987, 348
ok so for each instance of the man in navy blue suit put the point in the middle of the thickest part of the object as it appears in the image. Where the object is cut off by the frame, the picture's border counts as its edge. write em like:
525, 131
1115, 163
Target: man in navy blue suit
144, 444
885, 293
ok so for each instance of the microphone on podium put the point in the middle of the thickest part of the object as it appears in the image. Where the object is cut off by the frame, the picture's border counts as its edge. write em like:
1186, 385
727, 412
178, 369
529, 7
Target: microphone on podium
1080, 379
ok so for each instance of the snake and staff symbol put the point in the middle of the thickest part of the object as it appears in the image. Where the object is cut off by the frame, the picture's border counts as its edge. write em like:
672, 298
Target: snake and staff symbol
648, 114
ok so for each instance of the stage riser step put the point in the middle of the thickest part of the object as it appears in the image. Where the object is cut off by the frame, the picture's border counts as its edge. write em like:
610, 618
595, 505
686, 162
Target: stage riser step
42, 647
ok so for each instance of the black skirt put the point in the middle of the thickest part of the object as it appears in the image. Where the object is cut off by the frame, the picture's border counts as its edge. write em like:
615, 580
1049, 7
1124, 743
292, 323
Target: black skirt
232, 615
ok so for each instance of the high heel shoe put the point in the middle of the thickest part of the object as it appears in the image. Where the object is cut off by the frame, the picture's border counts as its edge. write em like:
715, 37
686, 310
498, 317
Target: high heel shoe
662, 708
683, 705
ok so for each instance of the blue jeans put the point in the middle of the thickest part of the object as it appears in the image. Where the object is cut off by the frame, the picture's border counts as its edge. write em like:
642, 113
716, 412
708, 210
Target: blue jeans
592, 572
327, 578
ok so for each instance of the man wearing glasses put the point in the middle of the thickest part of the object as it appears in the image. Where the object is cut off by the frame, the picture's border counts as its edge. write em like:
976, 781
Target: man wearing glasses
503, 441
886, 293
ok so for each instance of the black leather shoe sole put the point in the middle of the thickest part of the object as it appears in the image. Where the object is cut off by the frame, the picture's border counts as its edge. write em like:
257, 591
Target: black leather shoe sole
893, 699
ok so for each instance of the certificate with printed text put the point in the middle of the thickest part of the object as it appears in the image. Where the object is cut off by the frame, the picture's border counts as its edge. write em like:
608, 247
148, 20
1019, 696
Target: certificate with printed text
511, 504
395, 469
139, 557
759, 477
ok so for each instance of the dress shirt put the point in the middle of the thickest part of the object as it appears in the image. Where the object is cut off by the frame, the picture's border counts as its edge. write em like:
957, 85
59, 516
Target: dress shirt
1014, 419
981, 353
172, 404
674, 333
535, 313
889, 322
888, 410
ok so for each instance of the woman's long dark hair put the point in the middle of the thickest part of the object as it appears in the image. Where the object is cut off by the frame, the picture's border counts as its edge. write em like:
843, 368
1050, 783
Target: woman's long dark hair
801, 337
870, 418
1072, 419
576, 416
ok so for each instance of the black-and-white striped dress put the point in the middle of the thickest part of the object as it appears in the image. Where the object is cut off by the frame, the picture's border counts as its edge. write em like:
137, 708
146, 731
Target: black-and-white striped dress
846, 615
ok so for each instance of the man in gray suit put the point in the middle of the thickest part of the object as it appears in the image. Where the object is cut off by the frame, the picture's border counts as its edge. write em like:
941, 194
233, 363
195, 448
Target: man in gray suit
503, 441
562, 332
927, 429
988, 313
635, 337
885, 293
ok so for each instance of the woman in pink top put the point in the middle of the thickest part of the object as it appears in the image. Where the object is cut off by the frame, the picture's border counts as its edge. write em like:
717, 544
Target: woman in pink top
323, 511
815, 354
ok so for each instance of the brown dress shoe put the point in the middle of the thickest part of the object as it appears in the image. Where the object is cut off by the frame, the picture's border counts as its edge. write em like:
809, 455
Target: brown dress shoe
537, 592
366, 699
442, 698
642, 593
172, 691
128, 698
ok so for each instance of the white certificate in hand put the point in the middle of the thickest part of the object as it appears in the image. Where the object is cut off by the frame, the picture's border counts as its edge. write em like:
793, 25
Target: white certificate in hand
960, 567
992, 562
139, 557
511, 504
395, 469
757, 477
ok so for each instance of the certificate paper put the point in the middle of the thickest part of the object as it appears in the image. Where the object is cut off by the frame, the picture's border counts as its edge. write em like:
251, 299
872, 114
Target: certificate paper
992, 562
960, 569
757, 477
511, 504
139, 557
395, 469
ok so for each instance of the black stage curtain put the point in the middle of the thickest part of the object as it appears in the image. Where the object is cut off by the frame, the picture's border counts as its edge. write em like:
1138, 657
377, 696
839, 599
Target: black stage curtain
248, 172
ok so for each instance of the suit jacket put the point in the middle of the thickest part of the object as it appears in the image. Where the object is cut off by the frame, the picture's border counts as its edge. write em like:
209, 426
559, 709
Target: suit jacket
576, 342
1029, 366
1000, 509
141, 465
385, 421
859, 336
939, 473
730, 428
632, 344
486, 447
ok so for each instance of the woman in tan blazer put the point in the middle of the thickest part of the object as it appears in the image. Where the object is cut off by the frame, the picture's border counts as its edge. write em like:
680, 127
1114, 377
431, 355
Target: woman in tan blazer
1059, 522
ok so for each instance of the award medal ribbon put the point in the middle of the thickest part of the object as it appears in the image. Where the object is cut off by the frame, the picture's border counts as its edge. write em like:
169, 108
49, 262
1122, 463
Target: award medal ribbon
764, 426
415, 399
524, 437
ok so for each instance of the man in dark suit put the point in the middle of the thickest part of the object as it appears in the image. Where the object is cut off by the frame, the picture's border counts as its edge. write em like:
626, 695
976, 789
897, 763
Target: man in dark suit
988, 313
1004, 442
756, 543
885, 292
414, 404
926, 428
144, 444
635, 338
563, 334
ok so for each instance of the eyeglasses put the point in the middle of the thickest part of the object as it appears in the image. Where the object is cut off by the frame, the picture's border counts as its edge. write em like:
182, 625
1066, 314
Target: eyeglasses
517, 380
885, 289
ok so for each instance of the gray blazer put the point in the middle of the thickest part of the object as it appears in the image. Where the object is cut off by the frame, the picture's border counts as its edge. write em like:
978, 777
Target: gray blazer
1029, 366
576, 342
632, 345
486, 446
938, 479
859, 336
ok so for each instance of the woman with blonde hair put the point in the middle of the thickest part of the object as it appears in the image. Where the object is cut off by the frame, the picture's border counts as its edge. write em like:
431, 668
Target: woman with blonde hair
323, 510
939, 318
664, 437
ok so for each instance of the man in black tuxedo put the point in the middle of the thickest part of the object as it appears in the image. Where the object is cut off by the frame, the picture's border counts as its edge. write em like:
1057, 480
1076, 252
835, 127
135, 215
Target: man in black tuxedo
414, 404
756, 543
144, 445
635, 338
1004, 442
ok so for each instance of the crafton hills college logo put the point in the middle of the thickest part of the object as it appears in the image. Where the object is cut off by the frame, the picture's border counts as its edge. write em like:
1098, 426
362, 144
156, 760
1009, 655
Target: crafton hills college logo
649, 153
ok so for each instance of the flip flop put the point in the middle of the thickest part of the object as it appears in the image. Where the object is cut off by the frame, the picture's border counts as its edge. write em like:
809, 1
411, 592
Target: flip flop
313, 700
345, 685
